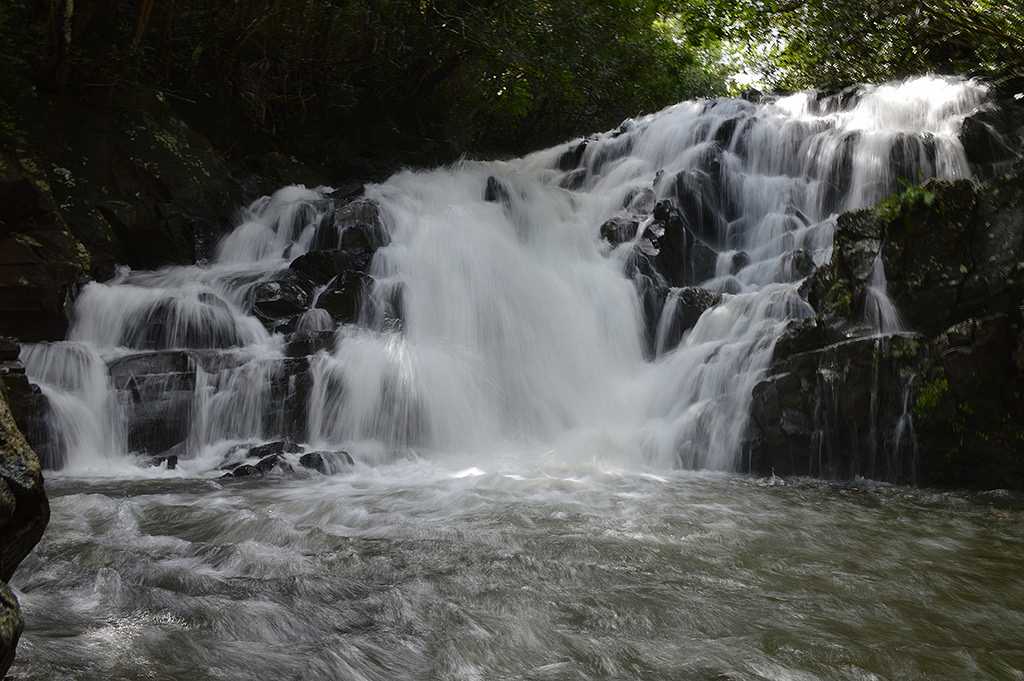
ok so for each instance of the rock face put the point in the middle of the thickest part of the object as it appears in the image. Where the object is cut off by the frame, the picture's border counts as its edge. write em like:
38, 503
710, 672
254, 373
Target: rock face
24, 513
939, 405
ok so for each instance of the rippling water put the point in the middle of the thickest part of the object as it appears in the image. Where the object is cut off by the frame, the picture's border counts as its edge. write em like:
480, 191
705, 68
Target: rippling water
417, 571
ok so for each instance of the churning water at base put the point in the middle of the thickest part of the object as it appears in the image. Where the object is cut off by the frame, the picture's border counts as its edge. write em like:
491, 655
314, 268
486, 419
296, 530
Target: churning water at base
419, 571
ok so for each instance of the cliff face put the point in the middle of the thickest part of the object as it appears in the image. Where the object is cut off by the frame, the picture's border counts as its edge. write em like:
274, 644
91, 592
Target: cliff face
940, 401
24, 510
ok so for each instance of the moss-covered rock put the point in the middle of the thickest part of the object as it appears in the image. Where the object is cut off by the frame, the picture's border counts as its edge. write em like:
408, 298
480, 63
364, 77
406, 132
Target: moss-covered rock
953, 253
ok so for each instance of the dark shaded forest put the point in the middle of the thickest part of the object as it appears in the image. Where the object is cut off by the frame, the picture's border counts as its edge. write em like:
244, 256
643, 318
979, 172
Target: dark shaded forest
336, 81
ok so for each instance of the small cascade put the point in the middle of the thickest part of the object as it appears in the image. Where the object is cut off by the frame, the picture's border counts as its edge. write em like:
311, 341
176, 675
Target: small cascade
85, 417
879, 311
609, 299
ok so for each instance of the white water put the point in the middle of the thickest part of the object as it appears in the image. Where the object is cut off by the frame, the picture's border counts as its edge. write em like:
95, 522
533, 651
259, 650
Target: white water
522, 336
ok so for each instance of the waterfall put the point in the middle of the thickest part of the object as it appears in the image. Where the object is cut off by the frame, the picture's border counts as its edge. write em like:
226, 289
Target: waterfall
523, 324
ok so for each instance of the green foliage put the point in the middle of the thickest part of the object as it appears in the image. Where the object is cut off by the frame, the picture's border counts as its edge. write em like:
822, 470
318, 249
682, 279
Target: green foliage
907, 201
930, 396
799, 44
391, 76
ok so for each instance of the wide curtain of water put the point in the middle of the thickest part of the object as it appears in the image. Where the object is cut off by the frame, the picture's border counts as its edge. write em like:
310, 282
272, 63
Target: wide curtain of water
522, 503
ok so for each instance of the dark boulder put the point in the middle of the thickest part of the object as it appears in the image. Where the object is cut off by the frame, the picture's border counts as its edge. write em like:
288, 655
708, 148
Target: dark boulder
326, 463
839, 412
574, 179
245, 471
497, 192
286, 296
993, 138
41, 262
274, 463
357, 224
306, 343
968, 406
572, 157
271, 448
344, 297
682, 309
683, 259
619, 229
24, 513
320, 267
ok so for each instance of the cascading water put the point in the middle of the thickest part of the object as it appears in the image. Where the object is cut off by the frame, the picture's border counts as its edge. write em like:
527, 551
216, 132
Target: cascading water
522, 331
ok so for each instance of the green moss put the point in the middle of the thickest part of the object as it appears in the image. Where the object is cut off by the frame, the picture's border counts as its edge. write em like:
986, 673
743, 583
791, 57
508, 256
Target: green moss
839, 300
930, 396
899, 205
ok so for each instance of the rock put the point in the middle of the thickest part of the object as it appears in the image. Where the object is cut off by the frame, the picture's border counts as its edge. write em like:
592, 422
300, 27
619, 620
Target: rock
683, 259
572, 157
574, 179
10, 350
358, 224
246, 471
682, 309
968, 408
170, 460
272, 448
306, 343
497, 192
327, 463
24, 510
286, 296
172, 322
619, 230
839, 412
740, 259
24, 513
274, 462
320, 267
41, 262
992, 137
344, 297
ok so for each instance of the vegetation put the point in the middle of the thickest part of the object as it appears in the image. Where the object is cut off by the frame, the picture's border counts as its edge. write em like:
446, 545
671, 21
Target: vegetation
432, 79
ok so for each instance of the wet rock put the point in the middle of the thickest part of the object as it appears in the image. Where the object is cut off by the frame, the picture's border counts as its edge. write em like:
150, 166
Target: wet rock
326, 463
320, 267
306, 343
641, 201
968, 407
497, 192
285, 297
141, 366
572, 157
41, 262
246, 471
272, 463
574, 179
681, 311
683, 259
619, 229
170, 460
993, 138
358, 224
272, 448
839, 412
740, 259
24, 510
175, 323
344, 297
24, 513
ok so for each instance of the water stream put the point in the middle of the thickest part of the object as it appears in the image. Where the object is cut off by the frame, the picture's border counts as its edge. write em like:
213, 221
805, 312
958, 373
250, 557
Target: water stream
522, 503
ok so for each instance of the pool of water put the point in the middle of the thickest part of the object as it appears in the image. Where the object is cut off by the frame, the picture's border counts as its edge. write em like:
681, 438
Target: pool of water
415, 570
